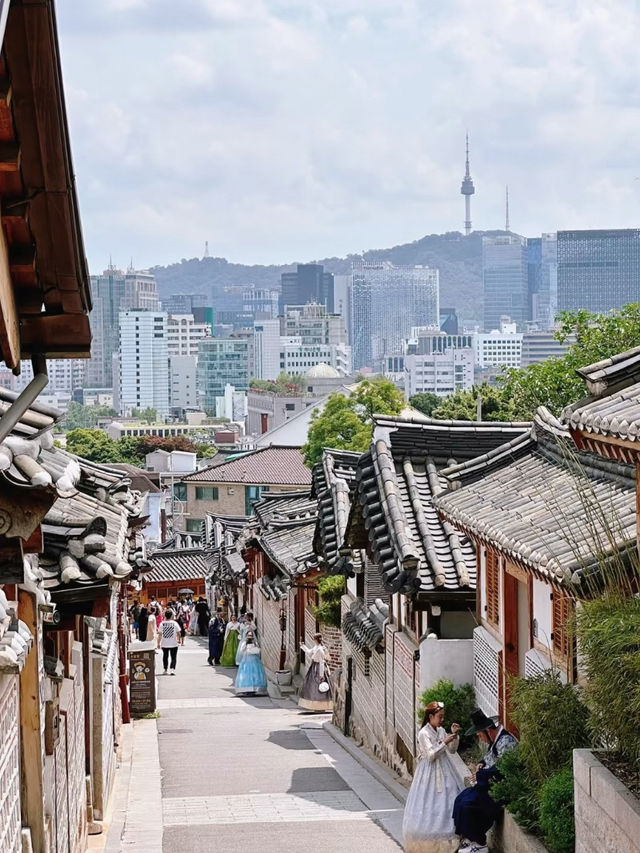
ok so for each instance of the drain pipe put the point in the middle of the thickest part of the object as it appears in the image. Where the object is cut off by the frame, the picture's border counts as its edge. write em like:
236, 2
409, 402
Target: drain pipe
26, 398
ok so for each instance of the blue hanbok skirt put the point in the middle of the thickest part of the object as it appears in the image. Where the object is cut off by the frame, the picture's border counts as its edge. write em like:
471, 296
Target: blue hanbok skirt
251, 677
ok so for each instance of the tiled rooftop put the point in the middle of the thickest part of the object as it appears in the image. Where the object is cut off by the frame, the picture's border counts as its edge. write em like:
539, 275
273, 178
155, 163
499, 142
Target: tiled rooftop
269, 466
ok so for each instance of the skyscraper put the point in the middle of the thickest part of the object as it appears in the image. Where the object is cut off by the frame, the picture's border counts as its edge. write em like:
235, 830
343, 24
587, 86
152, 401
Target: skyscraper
112, 292
144, 362
386, 302
598, 270
505, 279
310, 283
542, 275
467, 189
222, 362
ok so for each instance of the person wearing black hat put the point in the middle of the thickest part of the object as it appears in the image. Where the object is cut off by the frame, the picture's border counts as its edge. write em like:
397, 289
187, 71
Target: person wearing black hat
474, 811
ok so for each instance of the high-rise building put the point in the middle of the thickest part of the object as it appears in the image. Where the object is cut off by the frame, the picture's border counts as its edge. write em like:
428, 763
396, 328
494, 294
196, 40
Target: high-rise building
296, 357
222, 362
183, 388
342, 300
313, 324
542, 277
112, 292
185, 303
310, 283
183, 334
433, 362
598, 270
505, 279
265, 351
500, 347
386, 302
144, 362
262, 302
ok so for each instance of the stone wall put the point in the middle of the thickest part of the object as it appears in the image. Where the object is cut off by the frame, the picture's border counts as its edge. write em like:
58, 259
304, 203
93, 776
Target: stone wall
607, 813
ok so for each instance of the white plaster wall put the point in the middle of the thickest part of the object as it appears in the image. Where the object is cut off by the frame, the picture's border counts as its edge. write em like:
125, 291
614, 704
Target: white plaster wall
451, 659
542, 611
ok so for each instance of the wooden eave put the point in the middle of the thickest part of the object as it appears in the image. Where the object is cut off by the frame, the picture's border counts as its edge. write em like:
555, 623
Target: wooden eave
44, 283
627, 452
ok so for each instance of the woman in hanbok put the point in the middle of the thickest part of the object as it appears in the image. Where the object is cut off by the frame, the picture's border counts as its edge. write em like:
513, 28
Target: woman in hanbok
246, 627
251, 677
152, 625
428, 824
230, 643
316, 690
193, 622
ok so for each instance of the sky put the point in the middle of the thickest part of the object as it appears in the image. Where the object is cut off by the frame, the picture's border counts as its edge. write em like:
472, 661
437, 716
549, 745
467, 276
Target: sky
292, 130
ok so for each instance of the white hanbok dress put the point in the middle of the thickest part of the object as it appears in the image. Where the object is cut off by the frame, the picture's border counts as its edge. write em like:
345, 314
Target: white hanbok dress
428, 826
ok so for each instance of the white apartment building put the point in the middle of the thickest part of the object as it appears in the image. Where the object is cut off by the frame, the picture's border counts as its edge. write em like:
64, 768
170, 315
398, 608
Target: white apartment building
144, 362
183, 389
297, 358
183, 334
500, 347
264, 361
440, 373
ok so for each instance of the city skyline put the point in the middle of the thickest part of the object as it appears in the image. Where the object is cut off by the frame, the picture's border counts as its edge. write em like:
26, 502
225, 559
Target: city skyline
253, 175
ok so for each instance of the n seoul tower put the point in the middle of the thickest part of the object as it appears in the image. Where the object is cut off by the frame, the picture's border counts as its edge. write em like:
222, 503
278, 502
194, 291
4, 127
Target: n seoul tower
467, 189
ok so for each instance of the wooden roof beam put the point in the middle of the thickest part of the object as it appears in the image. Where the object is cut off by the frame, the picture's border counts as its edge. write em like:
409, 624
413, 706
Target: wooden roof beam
56, 335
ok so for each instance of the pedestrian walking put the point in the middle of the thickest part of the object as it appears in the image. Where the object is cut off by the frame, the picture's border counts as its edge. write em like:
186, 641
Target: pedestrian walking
316, 690
169, 633
247, 627
428, 826
216, 637
204, 615
152, 625
231, 640
143, 619
251, 677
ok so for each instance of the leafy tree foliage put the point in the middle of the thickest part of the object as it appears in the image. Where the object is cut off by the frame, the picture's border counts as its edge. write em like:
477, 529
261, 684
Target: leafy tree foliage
284, 385
85, 417
97, 446
425, 403
553, 383
147, 416
346, 423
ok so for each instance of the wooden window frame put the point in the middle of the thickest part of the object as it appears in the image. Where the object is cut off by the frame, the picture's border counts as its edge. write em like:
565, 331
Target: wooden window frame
492, 587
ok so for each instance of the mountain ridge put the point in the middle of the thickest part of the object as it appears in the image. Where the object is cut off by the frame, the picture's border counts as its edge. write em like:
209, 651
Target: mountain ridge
458, 258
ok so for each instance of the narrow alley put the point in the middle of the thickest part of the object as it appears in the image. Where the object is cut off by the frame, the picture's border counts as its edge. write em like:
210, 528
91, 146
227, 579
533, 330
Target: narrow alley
216, 771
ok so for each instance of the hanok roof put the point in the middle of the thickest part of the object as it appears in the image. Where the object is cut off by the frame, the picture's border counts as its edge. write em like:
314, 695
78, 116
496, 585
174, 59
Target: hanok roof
393, 512
364, 626
270, 466
40, 219
613, 408
223, 537
333, 486
287, 525
551, 509
181, 564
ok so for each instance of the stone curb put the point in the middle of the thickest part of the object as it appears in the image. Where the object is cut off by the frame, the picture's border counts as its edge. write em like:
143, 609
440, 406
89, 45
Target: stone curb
378, 771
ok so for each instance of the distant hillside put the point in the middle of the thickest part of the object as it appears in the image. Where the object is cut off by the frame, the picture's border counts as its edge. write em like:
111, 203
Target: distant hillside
458, 258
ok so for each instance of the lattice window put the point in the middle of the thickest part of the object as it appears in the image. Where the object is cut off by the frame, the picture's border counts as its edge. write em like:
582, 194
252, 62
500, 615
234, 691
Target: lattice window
492, 587
10, 826
562, 610
486, 670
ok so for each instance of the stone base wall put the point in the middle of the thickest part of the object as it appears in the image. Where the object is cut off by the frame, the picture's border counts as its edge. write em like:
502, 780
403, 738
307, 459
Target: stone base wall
508, 837
607, 813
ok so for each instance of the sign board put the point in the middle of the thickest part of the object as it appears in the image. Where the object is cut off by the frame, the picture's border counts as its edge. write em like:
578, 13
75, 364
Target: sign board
142, 678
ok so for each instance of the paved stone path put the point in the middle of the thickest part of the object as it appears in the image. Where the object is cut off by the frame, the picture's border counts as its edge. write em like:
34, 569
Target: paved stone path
251, 773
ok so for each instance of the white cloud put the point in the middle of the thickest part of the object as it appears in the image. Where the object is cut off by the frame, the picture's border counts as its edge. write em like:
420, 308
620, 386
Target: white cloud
283, 129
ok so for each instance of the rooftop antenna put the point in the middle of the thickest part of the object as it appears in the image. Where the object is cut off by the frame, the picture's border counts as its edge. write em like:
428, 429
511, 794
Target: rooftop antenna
506, 220
131, 269
206, 249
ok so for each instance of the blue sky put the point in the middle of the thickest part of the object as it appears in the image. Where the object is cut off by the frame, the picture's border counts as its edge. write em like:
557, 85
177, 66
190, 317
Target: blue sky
283, 130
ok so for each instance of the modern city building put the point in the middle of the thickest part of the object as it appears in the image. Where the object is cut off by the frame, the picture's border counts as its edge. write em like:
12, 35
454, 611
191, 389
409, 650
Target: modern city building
387, 301
144, 362
505, 279
266, 348
297, 358
433, 362
342, 297
500, 347
261, 302
542, 278
184, 334
449, 321
222, 362
313, 324
309, 283
598, 270
540, 345
112, 292
183, 388
185, 303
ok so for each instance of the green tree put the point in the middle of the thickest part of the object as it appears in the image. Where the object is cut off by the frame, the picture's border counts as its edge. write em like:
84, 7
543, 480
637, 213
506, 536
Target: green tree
85, 417
553, 383
205, 451
93, 444
425, 403
346, 423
